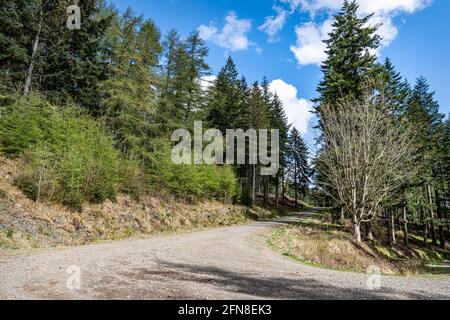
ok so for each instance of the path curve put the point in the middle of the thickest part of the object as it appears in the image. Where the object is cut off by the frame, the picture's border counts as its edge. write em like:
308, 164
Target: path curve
226, 263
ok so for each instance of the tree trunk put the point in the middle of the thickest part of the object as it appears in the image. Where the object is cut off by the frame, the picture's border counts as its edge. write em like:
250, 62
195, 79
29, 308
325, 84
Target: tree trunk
277, 189
254, 184
388, 227
342, 218
283, 190
441, 220
357, 227
296, 188
405, 227
267, 187
432, 226
425, 233
394, 240
26, 90
369, 231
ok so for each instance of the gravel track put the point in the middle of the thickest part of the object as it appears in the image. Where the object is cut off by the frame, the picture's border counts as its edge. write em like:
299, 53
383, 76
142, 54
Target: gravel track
226, 263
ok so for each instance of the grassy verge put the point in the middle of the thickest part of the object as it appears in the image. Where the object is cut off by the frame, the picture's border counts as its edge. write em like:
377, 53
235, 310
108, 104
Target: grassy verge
317, 242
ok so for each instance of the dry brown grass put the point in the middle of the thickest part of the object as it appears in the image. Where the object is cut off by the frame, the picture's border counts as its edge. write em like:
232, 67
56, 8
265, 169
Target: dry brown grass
320, 243
25, 224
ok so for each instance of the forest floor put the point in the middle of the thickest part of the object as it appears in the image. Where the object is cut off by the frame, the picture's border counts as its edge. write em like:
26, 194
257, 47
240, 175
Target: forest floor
225, 263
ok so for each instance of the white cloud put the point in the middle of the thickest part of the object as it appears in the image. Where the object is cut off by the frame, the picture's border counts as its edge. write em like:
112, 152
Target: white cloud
309, 50
274, 24
387, 30
233, 36
365, 6
298, 110
207, 81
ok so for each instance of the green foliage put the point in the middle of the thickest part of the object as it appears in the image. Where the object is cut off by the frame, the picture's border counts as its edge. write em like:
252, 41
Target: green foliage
25, 123
224, 104
193, 181
129, 94
18, 22
66, 156
350, 61
298, 159
133, 179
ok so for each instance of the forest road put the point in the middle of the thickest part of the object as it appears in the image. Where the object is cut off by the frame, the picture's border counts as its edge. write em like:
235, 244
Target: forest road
226, 263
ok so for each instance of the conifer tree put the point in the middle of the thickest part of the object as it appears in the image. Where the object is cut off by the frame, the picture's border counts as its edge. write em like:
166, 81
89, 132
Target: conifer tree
279, 121
350, 59
224, 100
298, 160
395, 89
68, 65
129, 96
427, 123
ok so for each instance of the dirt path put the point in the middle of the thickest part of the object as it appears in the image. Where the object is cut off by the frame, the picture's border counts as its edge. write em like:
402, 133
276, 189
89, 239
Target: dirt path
227, 263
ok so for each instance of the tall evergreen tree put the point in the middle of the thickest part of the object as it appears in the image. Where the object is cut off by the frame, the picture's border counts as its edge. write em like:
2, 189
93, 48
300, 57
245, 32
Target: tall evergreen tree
427, 123
18, 23
279, 121
197, 68
68, 63
224, 100
298, 159
395, 89
129, 98
350, 59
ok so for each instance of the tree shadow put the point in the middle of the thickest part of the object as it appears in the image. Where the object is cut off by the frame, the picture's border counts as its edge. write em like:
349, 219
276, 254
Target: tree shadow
279, 288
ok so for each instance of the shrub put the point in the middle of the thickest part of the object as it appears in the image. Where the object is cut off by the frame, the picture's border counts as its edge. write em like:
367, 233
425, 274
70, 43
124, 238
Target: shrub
66, 156
193, 181
133, 180
23, 124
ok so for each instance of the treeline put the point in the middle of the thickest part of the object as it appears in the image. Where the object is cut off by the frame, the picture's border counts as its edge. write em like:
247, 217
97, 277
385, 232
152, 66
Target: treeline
90, 112
385, 147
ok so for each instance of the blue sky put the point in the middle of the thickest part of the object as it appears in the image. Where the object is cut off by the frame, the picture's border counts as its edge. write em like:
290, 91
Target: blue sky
281, 39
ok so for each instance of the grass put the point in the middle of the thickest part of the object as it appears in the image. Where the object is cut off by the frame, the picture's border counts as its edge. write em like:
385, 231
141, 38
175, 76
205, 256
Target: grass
317, 242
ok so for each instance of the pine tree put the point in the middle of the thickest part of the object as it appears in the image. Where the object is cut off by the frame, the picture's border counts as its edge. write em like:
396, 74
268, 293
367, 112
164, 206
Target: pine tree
197, 68
279, 121
298, 163
224, 100
129, 99
170, 45
18, 25
189, 68
68, 64
395, 89
350, 60
427, 123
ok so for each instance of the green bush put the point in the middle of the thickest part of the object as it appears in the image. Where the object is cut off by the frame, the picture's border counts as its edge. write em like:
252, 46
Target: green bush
24, 124
66, 156
133, 180
193, 181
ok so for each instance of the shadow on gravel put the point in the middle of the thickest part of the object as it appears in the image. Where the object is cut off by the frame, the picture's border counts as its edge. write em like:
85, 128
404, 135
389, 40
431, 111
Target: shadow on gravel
274, 287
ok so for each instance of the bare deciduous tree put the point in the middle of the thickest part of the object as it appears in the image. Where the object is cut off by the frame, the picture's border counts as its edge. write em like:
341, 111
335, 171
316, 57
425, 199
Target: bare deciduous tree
365, 158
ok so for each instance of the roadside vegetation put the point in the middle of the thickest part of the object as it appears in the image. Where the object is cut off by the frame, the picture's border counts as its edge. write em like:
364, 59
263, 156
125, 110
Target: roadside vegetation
26, 224
319, 241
